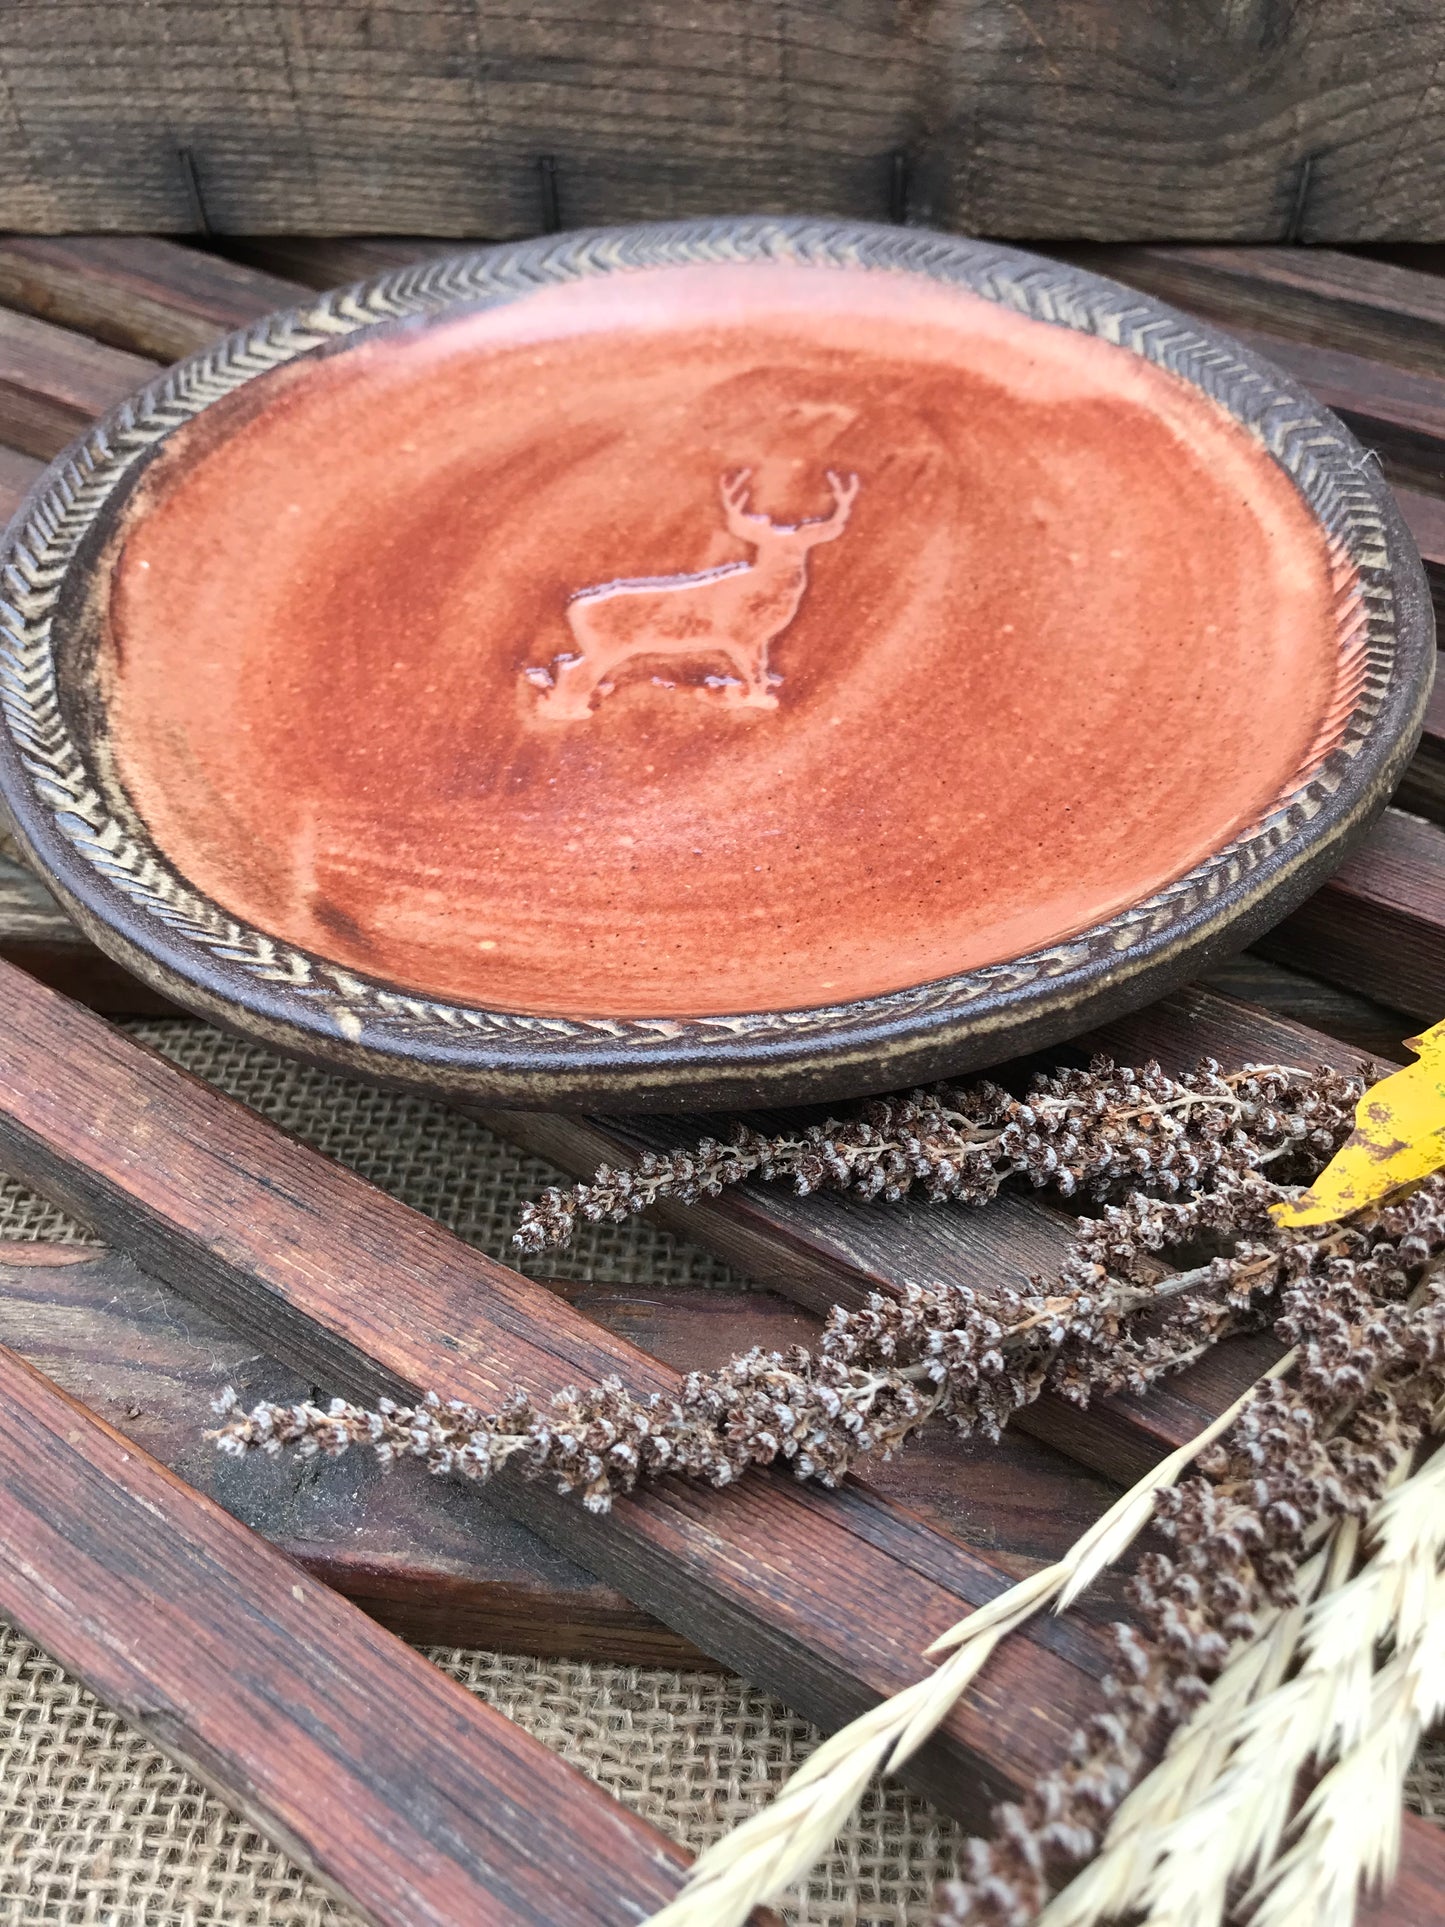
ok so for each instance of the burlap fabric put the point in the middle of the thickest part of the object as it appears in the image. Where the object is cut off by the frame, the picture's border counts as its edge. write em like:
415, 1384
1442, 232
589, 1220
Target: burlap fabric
97, 1827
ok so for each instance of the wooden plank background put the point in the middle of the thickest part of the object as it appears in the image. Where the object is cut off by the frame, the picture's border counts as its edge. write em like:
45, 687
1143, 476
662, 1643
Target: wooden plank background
1103, 119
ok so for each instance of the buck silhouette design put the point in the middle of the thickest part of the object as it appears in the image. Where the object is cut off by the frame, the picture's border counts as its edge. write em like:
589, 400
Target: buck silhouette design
733, 611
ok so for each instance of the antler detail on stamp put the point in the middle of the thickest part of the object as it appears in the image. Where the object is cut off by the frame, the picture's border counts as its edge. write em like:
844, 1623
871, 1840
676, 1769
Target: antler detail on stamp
735, 611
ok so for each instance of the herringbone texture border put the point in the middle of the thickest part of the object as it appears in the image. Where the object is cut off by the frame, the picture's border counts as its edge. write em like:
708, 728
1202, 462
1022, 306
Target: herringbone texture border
1325, 462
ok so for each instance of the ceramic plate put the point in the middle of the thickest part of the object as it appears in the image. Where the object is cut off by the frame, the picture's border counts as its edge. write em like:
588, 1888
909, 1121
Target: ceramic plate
699, 665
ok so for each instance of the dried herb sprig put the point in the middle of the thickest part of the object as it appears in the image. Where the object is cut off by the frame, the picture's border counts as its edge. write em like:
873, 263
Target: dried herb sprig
1366, 1310
1089, 1133
877, 1374
1334, 1702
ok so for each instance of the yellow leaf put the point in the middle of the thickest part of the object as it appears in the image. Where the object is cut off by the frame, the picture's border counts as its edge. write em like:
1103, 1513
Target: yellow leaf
1399, 1138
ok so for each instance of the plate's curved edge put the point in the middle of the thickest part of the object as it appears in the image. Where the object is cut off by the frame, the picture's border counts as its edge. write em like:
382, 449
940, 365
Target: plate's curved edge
134, 904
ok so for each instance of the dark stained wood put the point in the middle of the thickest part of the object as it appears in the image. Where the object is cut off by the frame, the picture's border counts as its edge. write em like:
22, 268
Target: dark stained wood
1317, 295
1423, 788
428, 1559
54, 383
1117, 122
1395, 411
331, 261
1287, 992
135, 292
1416, 1896
1378, 926
1425, 515
36, 934
17, 476
826, 1597
270, 1687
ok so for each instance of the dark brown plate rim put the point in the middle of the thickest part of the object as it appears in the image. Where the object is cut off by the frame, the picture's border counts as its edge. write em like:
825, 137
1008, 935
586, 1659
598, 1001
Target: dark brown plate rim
80, 830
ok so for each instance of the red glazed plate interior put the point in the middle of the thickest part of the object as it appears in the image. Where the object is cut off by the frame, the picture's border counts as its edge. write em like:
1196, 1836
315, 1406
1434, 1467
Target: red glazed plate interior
711, 639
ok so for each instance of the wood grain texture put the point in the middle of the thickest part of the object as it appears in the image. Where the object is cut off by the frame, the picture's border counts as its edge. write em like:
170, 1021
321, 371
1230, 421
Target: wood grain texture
1313, 295
268, 1685
321, 262
1286, 992
1414, 1898
17, 476
827, 1598
1378, 926
1395, 411
427, 1557
1100, 120
1423, 789
1425, 516
54, 383
136, 292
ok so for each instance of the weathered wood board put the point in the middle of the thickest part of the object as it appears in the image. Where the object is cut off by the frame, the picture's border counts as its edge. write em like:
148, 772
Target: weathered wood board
1115, 121
430, 1560
270, 1687
826, 1597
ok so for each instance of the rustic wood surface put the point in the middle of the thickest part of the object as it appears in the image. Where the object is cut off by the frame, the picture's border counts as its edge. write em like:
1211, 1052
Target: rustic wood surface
429, 1560
824, 1597
134, 291
1123, 121
118, 1336
272, 1688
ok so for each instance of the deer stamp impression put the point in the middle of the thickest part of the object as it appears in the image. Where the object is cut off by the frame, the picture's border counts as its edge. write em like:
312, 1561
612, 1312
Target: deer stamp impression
732, 611
711, 664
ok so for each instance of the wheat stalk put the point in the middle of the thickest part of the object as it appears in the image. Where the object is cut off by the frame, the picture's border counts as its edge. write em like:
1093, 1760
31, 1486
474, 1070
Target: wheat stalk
1109, 1886
1219, 1802
767, 1853
1350, 1824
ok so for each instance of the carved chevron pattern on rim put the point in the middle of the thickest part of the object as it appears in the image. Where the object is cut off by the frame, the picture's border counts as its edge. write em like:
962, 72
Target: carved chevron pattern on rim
1325, 463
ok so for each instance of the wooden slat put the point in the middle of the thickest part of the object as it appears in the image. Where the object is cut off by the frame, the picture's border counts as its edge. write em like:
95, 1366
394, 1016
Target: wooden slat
427, 1560
1425, 515
262, 1681
1125, 123
1414, 1897
1423, 789
828, 1598
1318, 295
1286, 992
54, 383
1395, 411
17, 476
395, 1785
135, 292
332, 261
1378, 926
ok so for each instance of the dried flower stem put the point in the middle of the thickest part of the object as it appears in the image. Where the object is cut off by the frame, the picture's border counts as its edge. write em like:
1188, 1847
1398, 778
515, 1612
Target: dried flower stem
1350, 1824
1295, 1483
1088, 1133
